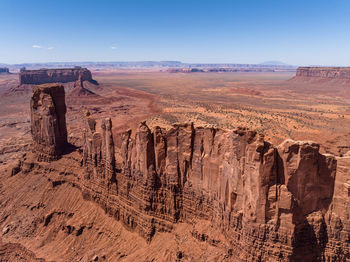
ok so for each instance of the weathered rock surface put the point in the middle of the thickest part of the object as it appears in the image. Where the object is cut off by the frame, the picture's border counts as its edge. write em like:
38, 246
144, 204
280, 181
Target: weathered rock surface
43, 76
324, 72
73, 80
48, 121
285, 203
80, 90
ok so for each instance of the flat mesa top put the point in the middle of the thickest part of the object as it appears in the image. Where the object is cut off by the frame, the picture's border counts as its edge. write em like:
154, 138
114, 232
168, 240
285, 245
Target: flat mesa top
324, 68
54, 69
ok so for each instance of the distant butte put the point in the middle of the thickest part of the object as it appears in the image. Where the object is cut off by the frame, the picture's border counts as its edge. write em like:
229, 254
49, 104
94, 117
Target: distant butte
61, 75
79, 89
323, 73
69, 77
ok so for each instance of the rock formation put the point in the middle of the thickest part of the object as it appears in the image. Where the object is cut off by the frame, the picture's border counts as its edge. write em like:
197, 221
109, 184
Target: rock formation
48, 121
70, 78
324, 72
284, 203
79, 89
98, 151
64, 75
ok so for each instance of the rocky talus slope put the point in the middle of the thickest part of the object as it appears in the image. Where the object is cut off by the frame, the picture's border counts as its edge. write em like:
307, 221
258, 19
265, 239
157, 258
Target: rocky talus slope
264, 202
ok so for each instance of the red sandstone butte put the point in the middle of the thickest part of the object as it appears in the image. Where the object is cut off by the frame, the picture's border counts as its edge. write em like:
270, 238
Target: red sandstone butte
324, 72
61, 75
271, 203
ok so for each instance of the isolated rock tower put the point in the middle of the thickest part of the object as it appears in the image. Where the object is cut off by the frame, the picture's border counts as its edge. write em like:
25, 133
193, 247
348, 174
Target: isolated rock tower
48, 121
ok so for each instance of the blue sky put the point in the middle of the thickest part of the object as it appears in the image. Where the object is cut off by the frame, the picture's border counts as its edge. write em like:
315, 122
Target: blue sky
308, 32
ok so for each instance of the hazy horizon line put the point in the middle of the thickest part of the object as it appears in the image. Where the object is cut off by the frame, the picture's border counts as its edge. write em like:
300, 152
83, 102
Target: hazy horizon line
266, 63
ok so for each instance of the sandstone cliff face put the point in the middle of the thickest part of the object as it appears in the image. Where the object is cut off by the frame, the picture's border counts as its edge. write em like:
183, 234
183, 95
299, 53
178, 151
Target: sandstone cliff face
43, 76
80, 90
338, 215
324, 72
285, 203
48, 121
98, 151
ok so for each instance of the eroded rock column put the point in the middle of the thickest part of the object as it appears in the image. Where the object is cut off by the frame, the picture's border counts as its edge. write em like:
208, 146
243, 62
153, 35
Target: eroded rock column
48, 121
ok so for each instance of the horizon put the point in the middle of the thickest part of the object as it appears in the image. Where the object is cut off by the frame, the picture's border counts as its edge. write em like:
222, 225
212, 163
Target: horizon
264, 63
297, 33
84, 63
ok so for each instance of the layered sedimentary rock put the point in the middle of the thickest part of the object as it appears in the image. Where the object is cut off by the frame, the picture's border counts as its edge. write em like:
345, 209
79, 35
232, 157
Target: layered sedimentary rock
48, 121
79, 89
272, 203
285, 203
324, 72
64, 75
73, 79
4, 70
98, 151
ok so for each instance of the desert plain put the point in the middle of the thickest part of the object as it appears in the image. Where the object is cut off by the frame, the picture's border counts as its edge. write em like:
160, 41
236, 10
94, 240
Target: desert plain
271, 103
49, 217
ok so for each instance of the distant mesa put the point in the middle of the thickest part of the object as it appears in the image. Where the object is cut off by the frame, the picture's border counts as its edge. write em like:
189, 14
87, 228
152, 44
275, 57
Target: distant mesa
154, 65
273, 62
233, 69
322, 74
4, 70
62, 75
66, 76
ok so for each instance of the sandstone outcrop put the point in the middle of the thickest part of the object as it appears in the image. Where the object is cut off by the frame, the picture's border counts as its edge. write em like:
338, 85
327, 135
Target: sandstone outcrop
79, 89
64, 75
271, 203
98, 151
73, 80
48, 121
324, 72
285, 203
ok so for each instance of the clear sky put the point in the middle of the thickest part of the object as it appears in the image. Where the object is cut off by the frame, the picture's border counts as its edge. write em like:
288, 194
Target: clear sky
298, 32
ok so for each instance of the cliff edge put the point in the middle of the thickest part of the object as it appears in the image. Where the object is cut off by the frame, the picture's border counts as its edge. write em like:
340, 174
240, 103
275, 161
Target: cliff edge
68, 77
237, 192
323, 73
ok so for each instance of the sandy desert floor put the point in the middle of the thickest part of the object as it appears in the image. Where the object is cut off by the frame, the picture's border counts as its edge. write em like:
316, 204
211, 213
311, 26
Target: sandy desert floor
270, 103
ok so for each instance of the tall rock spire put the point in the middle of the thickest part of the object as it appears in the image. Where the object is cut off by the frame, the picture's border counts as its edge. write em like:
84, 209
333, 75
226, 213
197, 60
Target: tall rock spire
48, 121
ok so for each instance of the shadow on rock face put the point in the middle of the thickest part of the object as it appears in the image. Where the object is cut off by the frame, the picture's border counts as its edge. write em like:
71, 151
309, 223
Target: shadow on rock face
310, 177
